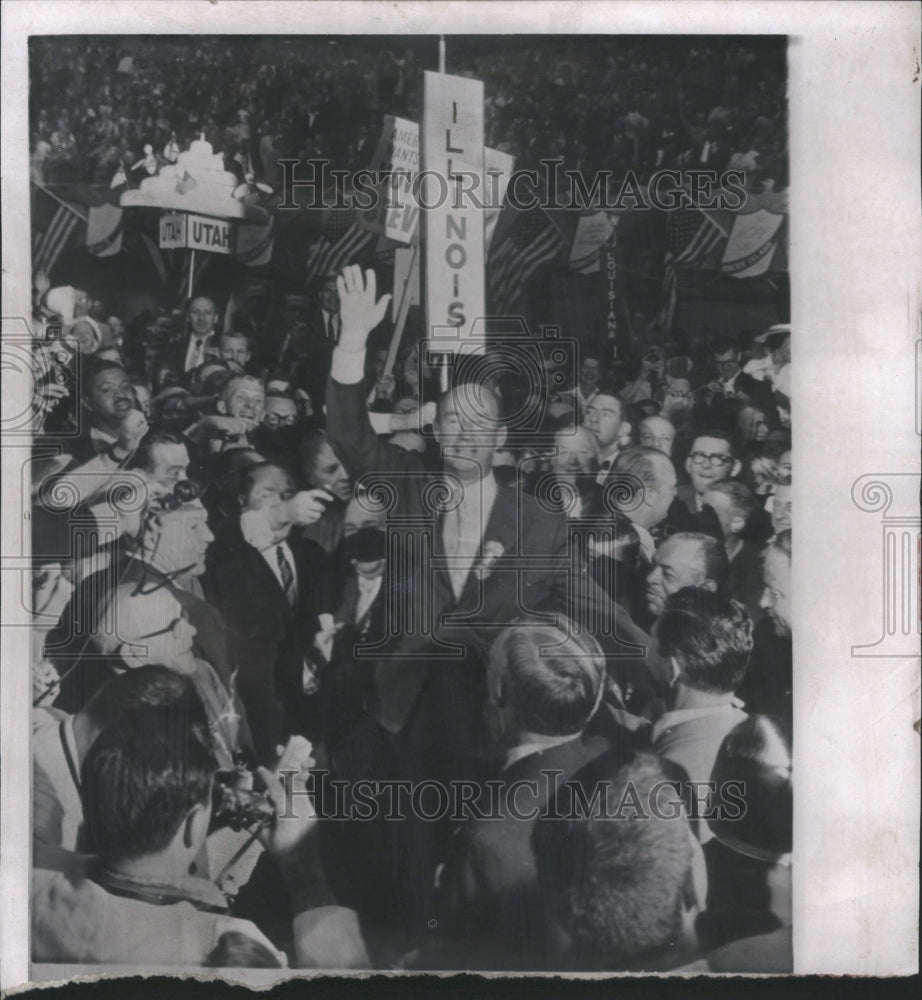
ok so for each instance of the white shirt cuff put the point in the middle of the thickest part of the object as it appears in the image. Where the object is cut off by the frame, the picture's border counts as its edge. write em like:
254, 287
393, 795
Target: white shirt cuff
348, 367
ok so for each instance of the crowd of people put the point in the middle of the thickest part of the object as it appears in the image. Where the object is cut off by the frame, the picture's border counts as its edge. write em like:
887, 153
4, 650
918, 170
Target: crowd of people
620, 104
398, 584
346, 664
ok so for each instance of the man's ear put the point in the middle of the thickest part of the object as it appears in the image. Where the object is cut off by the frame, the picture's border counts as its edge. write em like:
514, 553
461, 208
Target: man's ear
735, 470
737, 524
675, 670
222, 406
500, 438
194, 827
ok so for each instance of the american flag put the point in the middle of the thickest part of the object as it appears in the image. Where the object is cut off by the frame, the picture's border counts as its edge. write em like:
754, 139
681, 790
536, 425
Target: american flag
533, 242
58, 233
186, 183
340, 243
691, 234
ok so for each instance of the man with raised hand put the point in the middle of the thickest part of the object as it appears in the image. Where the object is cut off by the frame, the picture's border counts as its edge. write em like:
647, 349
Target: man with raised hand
431, 680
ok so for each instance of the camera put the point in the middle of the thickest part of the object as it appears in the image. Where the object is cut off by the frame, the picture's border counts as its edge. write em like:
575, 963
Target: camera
236, 803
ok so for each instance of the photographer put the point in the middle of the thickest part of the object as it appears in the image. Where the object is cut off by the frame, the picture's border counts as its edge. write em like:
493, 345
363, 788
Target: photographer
147, 789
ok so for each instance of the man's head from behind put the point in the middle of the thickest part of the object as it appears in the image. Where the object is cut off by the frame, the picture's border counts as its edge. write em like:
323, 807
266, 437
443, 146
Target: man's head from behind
125, 694
734, 504
470, 429
707, 638
544, 680
142, 624
651, 474
146, 789
686, 559
622, 883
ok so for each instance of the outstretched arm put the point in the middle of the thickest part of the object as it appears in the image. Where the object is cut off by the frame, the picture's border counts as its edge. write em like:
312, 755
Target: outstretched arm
349, 427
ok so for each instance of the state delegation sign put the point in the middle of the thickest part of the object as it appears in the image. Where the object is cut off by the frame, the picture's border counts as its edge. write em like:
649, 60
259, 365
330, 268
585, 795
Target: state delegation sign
183, 230
454, 222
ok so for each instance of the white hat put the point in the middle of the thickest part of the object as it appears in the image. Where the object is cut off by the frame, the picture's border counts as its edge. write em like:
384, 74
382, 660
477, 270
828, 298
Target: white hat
62, 301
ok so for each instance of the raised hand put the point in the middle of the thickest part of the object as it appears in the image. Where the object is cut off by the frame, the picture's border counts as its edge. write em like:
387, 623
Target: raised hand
290, 829
307, 506
132, 428
359, 311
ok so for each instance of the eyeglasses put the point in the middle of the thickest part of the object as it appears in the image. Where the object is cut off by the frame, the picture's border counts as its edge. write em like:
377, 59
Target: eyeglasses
275, 419
700, 458
163, 631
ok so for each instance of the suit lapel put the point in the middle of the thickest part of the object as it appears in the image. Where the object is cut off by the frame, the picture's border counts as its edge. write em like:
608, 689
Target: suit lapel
500, 529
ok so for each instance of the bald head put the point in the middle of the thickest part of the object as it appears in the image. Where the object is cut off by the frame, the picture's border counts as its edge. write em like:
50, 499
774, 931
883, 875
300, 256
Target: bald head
469, 429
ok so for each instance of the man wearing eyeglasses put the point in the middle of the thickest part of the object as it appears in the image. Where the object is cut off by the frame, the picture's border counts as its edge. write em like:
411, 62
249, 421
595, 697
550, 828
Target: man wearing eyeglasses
710, 461
167, 553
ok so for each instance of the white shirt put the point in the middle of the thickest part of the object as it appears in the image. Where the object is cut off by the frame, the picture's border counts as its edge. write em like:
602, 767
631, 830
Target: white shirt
270, 554
369, 588
195, 352
463, 528
605, 466
647, 545
326, 325
535, 745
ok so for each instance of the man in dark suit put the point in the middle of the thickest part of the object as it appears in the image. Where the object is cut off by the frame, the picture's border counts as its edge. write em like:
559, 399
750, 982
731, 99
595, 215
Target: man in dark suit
309, 349
269, 584
202, 317
545, 686
488, 554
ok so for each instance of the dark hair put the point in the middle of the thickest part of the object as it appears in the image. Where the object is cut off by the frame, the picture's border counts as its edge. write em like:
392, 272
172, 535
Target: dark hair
616, 883
150, 686
93, 367
723, 345
608, 386
709, 635
311, 443
719, 434
249, 474
143, 454
553, 690
757, 755
235, 950
140, 778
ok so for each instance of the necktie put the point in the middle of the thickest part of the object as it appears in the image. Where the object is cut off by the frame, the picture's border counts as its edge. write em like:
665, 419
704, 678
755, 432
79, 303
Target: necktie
460, 550
287, 573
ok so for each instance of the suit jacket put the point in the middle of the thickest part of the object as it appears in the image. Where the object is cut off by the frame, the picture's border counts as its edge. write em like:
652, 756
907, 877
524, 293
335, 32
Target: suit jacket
430, 667
490, 899
308, 355
269, 637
